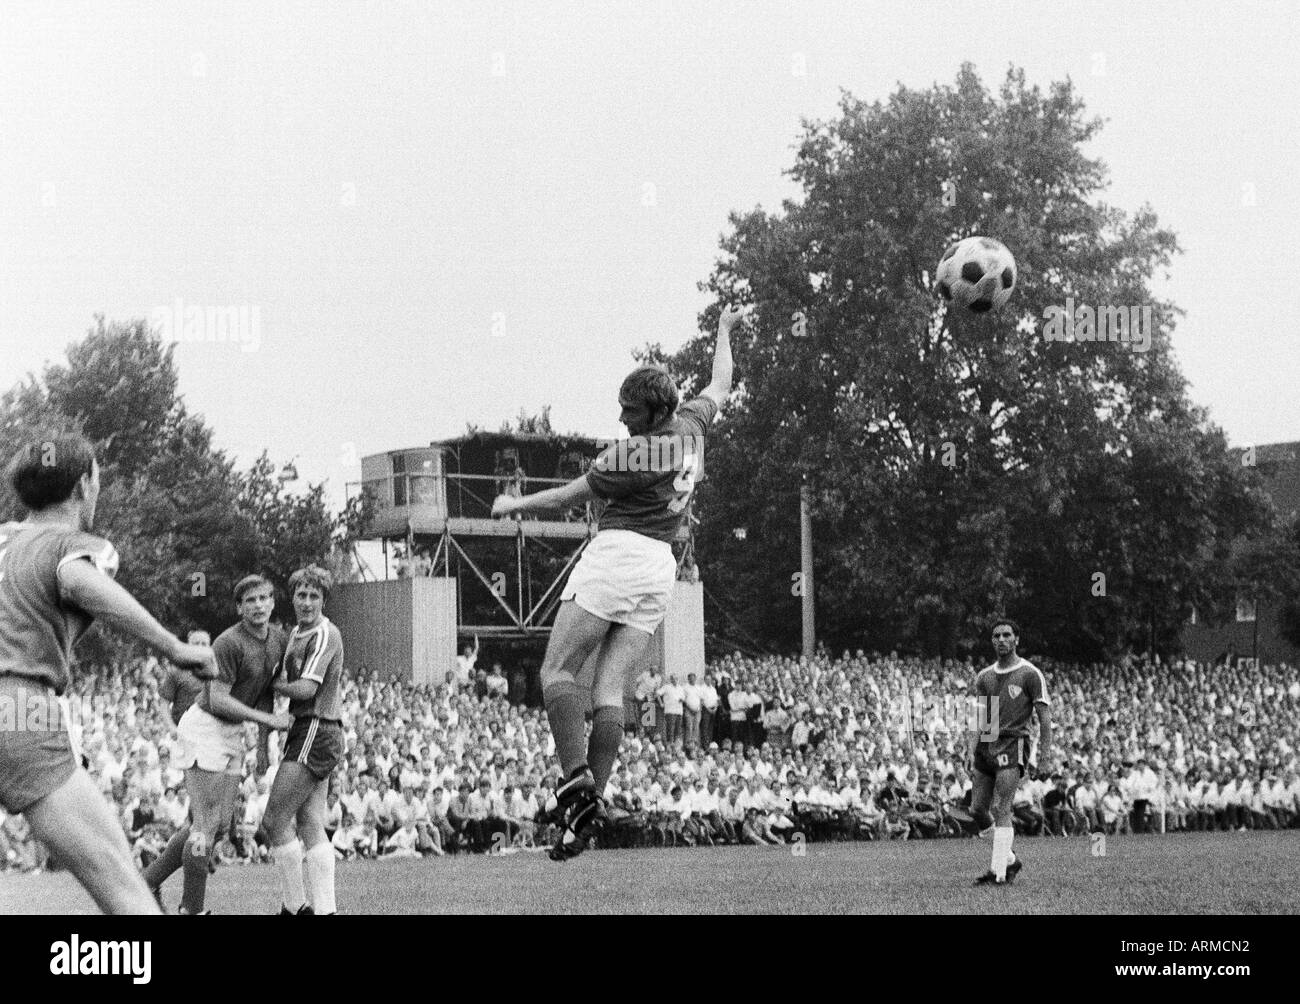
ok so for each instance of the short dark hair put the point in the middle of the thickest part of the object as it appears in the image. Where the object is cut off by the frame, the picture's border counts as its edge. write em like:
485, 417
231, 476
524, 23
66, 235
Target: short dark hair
652, 385
45, 472
1015, 628
249, 582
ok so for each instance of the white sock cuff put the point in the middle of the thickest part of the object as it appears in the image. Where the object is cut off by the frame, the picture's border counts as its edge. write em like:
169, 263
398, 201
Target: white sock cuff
1001, 849
319, 868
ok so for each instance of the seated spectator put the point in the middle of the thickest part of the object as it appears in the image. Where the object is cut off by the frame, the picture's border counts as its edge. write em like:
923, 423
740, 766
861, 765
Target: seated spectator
1114, 815
402, 844
1057, 810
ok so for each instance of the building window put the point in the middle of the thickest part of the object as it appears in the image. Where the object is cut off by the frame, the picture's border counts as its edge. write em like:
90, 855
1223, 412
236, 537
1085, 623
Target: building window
1245, 610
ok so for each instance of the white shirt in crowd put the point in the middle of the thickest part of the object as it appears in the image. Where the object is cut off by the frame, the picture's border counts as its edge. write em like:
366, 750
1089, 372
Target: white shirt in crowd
673, 696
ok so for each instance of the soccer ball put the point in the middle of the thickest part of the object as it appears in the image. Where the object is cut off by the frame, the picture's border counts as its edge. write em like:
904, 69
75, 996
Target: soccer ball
977, 273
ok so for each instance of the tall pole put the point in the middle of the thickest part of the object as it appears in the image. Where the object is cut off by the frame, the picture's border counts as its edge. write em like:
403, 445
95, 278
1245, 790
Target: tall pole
1254, 645
806, 567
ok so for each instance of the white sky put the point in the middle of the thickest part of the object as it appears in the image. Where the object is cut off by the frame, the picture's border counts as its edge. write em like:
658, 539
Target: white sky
382, 180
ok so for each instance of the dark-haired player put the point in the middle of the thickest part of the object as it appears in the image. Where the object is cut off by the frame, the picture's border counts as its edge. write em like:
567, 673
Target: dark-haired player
212, 735
294, 819
1009, 693
618, 593
56, 577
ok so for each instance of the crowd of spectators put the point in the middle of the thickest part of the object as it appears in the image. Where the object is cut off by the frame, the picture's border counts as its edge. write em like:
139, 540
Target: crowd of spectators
750, 750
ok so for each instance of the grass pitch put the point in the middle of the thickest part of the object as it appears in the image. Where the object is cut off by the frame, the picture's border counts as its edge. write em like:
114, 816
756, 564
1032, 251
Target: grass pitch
1184, 873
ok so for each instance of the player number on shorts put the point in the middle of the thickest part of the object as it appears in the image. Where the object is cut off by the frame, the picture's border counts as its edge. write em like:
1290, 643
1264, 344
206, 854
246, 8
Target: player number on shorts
1003, 760
684, 483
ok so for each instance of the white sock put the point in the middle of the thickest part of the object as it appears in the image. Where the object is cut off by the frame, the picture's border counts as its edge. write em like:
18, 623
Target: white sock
1002, 849
319, 866
289, 859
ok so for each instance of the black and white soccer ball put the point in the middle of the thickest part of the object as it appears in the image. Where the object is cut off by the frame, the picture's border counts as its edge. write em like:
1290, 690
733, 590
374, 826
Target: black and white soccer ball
977, 273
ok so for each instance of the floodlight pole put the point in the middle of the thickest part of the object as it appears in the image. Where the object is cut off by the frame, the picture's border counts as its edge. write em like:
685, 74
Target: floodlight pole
806, 569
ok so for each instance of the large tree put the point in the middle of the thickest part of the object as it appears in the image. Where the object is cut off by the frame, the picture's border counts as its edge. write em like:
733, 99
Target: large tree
186, 523
958, 465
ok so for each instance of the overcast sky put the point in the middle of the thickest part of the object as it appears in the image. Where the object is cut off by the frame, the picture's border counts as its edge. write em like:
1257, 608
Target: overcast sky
442, 213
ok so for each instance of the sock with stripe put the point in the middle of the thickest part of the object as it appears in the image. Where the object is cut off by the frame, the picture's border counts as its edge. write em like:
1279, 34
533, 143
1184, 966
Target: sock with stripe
603, 743
564, 713
288, 858
318, 864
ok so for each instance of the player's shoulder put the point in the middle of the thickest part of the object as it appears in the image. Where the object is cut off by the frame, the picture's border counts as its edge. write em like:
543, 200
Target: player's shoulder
700, 410
1027, 668
71, 544
1028, 671
228, 639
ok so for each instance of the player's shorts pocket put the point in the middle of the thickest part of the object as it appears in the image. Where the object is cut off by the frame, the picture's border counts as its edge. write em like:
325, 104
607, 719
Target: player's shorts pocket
624, 577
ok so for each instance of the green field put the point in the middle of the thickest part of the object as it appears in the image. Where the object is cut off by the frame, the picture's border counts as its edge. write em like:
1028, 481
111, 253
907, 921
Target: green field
1190, 873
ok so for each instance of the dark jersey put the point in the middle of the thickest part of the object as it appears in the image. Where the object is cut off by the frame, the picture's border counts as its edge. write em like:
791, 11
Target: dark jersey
1009, 697
649, 480
249, 664
316, 654
37, 627
180, 689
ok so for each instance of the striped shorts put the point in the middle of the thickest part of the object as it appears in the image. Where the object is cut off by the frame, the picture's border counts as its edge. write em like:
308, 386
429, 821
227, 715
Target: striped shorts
316, 743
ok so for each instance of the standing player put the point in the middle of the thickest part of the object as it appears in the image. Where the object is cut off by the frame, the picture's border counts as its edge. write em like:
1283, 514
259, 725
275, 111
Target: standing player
313, 682
618, 593
55, 579
1009, 692
212, 733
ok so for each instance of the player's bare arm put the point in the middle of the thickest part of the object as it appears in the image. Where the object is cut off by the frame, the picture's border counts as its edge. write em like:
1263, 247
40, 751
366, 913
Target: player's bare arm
86, 588
719, 389
1044, 733
297, 690
576, 492
216, 700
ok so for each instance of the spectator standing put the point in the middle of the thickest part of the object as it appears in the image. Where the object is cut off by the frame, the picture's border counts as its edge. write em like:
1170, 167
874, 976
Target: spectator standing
692, 706
708, 710
672, 695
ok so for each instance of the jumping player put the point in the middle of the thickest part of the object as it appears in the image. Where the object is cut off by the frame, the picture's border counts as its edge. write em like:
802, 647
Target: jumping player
312, 679
1010, 692
212, 734
55, 579
618, 593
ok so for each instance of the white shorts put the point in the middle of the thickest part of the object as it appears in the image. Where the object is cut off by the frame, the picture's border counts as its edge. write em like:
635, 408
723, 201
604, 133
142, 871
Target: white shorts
209, 743
624, 577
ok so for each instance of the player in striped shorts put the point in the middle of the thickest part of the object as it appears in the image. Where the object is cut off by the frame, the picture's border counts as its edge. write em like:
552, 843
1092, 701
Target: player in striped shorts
312, 679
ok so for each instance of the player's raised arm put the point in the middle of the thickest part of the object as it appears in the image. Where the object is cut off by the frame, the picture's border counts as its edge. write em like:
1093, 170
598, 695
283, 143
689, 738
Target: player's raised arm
85, 587
576, 492
719, 389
